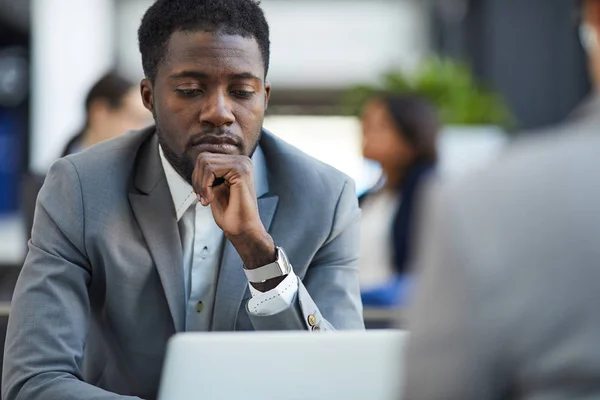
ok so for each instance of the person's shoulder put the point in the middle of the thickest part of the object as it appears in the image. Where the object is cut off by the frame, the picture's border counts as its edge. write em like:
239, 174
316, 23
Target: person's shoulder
112, 150
312, 196
533, 171
109, 164
553, 141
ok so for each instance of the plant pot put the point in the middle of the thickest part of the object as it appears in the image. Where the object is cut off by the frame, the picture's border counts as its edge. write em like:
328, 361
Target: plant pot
466, 148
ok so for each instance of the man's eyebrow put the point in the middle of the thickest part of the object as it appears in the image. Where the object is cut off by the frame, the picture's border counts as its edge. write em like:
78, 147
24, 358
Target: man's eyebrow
204, 75
244, 75
189, 74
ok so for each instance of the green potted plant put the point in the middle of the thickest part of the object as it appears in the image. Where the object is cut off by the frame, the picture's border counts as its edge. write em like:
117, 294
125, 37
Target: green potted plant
449, 85
475, 118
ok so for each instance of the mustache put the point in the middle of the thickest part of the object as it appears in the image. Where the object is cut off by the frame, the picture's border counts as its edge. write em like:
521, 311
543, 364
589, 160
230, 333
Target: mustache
215, 136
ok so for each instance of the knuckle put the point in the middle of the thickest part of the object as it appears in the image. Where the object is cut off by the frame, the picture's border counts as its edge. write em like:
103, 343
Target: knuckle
200, 162
204, 163
246, 166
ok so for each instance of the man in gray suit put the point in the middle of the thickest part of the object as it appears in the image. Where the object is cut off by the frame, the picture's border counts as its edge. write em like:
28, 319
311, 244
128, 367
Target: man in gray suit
507, 304
192, 225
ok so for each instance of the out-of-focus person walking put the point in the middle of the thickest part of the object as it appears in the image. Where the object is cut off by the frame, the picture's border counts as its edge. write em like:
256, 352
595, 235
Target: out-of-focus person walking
399, 132
507, 298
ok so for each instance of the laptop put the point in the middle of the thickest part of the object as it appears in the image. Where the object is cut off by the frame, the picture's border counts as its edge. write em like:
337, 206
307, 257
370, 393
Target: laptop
284, 366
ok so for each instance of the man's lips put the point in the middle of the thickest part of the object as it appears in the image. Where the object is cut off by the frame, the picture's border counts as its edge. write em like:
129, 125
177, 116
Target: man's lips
216, 144
223, 148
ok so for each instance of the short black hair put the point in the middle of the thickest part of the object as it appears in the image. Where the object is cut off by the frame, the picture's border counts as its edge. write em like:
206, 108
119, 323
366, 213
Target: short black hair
417, 121
232, 17
112, 88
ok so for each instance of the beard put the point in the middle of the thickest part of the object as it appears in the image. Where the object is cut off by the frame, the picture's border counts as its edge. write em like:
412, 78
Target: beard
183, 164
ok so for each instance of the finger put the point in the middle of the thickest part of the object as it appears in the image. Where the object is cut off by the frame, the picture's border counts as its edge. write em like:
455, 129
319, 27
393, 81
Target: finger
195, 179
203, 178
239, 181
214, 170
207, 185
227, 168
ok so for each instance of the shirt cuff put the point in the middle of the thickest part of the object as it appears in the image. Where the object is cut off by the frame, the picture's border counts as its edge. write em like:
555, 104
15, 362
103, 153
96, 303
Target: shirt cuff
275, 300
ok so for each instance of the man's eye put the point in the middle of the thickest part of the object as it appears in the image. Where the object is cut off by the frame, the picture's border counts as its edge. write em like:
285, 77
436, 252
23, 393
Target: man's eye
242, 94
188, 92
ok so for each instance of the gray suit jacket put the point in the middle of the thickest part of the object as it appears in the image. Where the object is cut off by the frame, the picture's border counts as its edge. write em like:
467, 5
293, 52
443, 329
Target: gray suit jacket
507, 304
102, 288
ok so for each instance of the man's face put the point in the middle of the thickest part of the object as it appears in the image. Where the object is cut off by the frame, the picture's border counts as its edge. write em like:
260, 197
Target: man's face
209, 95
591, 37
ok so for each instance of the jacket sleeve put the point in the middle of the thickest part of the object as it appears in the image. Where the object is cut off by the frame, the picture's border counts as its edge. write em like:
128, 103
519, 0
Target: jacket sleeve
50, 310
328, 297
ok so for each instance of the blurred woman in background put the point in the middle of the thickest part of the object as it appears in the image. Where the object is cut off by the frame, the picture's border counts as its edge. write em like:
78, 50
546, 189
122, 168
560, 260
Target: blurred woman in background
400, 133
112, 106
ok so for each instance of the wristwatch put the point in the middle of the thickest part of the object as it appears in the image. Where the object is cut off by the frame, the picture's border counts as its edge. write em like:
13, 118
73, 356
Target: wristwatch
280, 267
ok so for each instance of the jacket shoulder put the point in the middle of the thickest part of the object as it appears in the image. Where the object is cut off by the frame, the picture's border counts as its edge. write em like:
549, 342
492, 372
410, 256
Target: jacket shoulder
111, 151
108, 167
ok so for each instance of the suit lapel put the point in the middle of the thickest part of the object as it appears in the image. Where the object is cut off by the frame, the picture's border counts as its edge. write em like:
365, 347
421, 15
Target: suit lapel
232, 283
153, 208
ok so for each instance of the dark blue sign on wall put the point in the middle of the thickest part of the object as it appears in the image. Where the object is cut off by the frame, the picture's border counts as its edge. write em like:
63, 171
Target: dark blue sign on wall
9, 161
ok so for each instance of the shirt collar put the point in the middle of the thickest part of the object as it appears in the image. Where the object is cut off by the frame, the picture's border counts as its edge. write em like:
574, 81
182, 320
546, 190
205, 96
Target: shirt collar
183, 194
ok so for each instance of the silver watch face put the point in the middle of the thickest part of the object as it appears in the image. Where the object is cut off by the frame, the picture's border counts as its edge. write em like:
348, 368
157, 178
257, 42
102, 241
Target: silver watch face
283, 261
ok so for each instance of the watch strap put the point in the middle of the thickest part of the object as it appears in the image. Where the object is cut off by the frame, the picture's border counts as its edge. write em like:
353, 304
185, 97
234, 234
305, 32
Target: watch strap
280, 267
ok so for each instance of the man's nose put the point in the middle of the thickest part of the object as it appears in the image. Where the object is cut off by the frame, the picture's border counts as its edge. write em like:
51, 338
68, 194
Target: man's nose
217, 110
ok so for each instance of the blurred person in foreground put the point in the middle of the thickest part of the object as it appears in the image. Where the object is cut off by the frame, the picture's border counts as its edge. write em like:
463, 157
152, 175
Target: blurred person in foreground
203, 222
113, 106
507, 304
400, 133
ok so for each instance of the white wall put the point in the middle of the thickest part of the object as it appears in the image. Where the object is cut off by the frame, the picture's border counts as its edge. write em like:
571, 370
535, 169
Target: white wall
72, 47
334, 140
339, 43
315, 43
318, 43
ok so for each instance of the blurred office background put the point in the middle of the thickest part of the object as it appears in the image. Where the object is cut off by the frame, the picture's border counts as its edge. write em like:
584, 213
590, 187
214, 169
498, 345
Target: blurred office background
525, 51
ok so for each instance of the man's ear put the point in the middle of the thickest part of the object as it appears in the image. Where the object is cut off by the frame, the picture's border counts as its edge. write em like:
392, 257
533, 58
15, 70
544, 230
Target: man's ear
147, 91
267, 93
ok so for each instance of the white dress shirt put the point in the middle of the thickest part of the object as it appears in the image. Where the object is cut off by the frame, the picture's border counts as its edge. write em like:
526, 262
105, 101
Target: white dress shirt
375, 265
202, 243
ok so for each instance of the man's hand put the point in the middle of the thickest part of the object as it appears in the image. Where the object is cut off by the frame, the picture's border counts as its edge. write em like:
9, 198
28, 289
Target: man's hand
226, 182
233, 201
